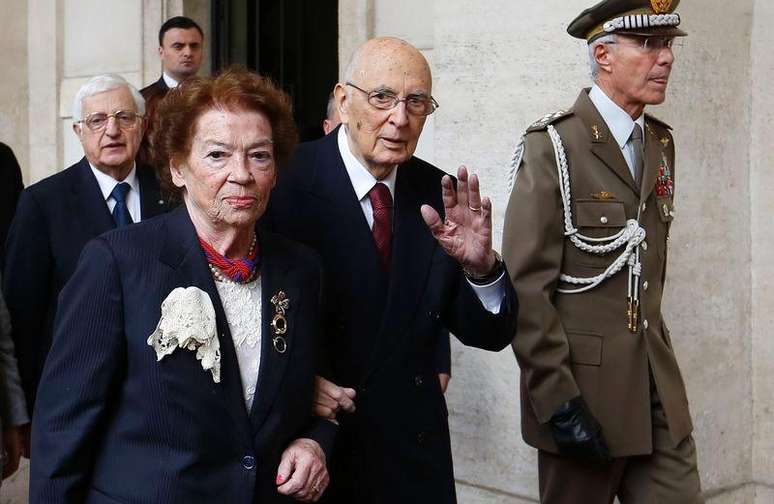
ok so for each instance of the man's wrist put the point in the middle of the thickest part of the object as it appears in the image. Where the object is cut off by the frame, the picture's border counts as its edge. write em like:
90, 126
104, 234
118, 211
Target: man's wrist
487, 278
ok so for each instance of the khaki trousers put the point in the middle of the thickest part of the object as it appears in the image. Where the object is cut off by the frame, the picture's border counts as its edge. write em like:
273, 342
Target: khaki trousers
667, 476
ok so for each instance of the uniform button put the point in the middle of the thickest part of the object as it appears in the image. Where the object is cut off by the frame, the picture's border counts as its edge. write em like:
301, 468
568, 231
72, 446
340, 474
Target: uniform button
644, 206
248, 462
421, 437
603, 219
645, 324
418, 380
645, 285
645, 246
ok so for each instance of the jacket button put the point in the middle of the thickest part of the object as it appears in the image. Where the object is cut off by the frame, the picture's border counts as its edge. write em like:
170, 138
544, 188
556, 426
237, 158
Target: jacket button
603, 219
644, 246
645, 324
645, 285
248, 462
418, 380
644, 206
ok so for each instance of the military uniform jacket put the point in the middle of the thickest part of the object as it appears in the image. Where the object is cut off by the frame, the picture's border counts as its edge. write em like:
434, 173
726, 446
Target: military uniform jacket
580, 344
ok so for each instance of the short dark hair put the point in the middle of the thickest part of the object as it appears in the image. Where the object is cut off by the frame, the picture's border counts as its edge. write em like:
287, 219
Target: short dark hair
182, 22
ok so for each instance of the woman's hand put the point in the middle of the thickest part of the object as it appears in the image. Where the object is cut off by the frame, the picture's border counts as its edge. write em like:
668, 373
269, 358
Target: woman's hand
302, 472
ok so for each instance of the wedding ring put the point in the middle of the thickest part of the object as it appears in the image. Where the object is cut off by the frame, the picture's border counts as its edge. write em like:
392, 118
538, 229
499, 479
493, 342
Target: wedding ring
474, 209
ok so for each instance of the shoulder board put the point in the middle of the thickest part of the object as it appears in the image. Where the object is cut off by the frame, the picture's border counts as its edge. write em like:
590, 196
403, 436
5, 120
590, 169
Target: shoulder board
544, 121
657, 121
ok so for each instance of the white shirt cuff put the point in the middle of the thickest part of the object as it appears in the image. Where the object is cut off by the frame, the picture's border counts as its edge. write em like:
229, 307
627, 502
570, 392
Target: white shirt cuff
491, 295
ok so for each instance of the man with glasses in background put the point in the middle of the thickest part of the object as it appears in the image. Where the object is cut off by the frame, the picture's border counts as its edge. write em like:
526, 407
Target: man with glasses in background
585, 241
405, 253
57, 216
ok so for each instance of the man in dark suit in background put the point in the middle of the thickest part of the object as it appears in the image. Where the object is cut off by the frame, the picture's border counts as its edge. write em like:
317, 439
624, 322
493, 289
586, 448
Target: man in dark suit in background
11, 186
396, 273
181, 43
58, 215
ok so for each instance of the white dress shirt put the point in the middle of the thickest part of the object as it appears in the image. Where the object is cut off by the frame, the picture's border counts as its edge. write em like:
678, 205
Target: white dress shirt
169, 81
108, 183
242, 304
491, 295
619, 122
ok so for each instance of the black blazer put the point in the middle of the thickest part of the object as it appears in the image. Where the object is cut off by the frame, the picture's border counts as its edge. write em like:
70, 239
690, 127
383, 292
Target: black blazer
381, 333
11, 186
153, 94
55, 218
113, 424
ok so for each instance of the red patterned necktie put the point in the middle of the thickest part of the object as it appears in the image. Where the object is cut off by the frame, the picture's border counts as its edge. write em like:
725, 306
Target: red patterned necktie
381, 202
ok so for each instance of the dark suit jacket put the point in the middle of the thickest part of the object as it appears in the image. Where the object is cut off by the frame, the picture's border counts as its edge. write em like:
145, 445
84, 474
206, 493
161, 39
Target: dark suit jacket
11, 186
114, 425
381, 333
55, 219
153, 95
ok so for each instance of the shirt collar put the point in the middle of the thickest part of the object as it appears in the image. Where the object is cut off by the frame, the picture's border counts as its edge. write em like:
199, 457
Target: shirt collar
618, 121
361, 178
171, 83
108, 183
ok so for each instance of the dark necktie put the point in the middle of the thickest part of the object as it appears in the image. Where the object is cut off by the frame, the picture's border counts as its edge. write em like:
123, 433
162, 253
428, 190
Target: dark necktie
381, 202
639, 154
121, 214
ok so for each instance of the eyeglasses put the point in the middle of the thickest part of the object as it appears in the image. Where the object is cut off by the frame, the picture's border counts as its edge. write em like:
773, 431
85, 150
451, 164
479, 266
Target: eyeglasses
650, 44
97, 121
386, 100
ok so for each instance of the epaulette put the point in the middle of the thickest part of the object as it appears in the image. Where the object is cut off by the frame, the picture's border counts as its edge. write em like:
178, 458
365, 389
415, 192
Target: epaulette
657, 120
544, 121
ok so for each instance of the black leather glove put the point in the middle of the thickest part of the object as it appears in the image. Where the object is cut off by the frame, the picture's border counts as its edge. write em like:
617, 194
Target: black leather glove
577, 433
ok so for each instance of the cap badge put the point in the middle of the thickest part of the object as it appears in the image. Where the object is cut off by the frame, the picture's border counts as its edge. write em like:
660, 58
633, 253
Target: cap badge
661, 6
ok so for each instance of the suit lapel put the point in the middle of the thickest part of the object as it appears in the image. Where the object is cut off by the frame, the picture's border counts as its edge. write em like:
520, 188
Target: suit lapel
276, 276
604, 145
151, 202
181, 251
412, 252
88, 201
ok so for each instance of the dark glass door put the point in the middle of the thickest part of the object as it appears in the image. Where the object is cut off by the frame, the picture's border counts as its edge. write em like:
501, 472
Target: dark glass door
293, 41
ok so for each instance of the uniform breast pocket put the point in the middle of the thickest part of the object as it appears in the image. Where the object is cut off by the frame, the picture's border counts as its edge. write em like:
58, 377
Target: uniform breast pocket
598, 219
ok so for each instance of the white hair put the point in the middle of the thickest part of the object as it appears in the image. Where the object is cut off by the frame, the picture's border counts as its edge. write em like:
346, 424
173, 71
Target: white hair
606, 39
100, 84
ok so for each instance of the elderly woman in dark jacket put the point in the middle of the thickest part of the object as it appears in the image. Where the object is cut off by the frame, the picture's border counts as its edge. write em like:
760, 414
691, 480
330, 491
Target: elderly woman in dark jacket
182, 367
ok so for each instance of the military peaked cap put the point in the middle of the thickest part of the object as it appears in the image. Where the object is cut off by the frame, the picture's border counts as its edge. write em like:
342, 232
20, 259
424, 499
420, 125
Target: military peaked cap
633, 17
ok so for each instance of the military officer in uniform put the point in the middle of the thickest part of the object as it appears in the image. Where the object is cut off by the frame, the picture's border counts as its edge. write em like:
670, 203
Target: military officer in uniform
586, 234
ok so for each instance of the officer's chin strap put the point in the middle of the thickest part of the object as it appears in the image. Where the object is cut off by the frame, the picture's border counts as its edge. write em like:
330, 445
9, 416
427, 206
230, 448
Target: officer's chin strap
630, 237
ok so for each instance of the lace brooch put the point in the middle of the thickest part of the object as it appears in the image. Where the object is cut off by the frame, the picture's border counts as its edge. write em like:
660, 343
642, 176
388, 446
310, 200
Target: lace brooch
188, 321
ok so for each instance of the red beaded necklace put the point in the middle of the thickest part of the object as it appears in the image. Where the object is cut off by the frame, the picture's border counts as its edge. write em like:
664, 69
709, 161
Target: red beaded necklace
237, 270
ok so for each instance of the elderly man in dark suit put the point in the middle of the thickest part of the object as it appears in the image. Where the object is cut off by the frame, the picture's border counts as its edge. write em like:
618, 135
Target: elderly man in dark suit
405, 253
58, 215
11, 186
181, 48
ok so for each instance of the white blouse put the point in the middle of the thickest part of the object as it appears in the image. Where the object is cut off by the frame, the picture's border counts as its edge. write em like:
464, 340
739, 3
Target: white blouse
242, 304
